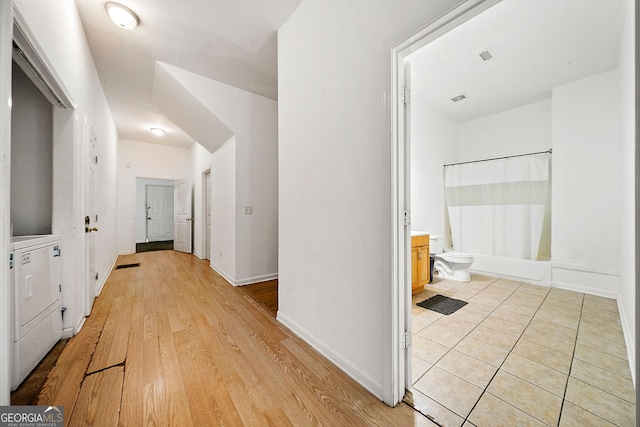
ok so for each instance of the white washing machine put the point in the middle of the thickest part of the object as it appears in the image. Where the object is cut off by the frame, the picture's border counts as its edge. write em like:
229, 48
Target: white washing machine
36, 296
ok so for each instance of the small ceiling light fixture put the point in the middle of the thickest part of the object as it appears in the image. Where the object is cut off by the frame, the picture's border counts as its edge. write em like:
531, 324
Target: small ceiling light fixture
460, 97
157, 131
122, 16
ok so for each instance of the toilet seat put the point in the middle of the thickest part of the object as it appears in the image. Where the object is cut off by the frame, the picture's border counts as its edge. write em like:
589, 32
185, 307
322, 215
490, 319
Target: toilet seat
456, 257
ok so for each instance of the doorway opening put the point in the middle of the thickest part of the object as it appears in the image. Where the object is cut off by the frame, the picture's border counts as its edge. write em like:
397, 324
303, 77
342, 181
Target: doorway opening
474, 120
154, 214
401, 130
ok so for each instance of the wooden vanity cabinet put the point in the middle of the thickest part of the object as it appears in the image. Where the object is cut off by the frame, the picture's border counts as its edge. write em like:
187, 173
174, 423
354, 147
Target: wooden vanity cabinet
420, 263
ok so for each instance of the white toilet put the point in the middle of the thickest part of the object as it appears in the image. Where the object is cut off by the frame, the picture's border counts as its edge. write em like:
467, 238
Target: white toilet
450, 265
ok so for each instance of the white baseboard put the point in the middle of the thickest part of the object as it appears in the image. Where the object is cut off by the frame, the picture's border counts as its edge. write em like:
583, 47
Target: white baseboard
106, 276
79, 325
242, 282
222, 273
629, 340
358, 376
256, 279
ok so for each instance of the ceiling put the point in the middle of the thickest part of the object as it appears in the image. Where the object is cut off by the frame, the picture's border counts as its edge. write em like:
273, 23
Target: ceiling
232, 41
537, 45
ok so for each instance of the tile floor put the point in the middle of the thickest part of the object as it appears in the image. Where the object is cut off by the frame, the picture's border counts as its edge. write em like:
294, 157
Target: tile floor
520, 354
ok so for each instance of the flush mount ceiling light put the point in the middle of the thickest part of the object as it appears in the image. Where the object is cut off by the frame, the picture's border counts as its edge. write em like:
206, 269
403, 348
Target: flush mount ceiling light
122, 16
157, 131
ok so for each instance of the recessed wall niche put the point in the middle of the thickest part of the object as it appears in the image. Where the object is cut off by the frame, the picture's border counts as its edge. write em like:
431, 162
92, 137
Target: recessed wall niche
31, 157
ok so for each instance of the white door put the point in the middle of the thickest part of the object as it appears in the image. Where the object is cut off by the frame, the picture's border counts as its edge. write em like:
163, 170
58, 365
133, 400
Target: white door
159, 213
208, 204
91, 215
182, 217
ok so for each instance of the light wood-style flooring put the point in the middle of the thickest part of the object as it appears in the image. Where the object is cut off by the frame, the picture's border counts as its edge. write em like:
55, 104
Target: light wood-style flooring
172, 343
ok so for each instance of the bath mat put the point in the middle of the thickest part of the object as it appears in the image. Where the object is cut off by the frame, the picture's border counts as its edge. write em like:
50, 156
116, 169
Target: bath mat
118, 267
442, 304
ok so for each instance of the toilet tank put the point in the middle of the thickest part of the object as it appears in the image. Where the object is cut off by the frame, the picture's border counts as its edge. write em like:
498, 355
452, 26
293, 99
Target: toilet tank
436, 243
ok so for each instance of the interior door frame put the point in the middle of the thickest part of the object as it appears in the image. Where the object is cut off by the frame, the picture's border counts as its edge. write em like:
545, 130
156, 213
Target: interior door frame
397, 374
6, 34
206, 202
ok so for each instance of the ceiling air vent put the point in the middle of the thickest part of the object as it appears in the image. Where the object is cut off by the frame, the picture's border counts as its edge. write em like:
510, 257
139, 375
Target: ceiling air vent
486, 55
460, 97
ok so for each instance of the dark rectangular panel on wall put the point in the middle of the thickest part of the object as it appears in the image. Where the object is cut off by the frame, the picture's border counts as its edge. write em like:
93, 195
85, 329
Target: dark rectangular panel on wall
31, 157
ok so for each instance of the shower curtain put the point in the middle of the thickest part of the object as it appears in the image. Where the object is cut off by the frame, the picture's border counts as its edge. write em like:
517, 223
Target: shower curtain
500, 207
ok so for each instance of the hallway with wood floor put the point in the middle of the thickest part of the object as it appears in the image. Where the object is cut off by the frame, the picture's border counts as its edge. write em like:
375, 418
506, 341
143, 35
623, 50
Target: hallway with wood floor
172, 343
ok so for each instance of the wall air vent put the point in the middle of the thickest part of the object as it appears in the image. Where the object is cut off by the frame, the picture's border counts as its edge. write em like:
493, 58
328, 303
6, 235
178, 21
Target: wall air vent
460, 97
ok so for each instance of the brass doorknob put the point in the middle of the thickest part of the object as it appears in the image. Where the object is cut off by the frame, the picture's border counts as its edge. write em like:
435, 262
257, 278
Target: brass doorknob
90, 229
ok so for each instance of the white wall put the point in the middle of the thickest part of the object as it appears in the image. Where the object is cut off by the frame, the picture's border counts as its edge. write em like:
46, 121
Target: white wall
31, 157
434, 143
253, 120
58, 32
586, 193
66, 50
627, 180
224, 188
143, 160
335, 177
437, 140
521, 130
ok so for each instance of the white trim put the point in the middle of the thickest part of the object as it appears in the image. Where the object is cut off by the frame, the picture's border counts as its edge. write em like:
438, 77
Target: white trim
629, 340
6, 29
243, 282
394, 370
256, 279
197, 253
36, 64
373, 386
105, 276
223, 273
79, 325
205, 200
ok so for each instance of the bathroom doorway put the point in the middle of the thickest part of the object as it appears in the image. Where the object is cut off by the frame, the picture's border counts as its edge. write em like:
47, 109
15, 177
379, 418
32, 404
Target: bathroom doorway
481, 114
401, 129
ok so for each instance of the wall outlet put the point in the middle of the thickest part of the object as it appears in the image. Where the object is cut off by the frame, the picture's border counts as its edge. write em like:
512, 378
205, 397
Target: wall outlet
248, 210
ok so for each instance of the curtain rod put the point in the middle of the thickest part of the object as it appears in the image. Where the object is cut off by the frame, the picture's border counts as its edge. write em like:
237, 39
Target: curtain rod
500, 158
